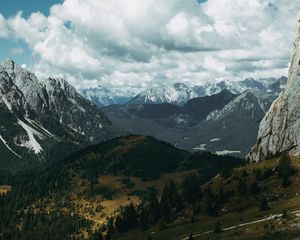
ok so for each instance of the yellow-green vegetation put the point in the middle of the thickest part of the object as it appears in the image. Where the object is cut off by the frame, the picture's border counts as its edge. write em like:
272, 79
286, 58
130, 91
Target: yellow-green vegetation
140, 188
243, 191
110, 194
4, 189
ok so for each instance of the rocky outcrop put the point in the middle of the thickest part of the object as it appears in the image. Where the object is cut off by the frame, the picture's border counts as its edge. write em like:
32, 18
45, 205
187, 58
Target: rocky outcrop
280, 129
36, 116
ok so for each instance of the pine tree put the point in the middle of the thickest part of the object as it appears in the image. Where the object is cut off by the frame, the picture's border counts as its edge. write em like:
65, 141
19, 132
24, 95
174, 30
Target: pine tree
165, 204
285, 167
242, 187
221, 196
218, 228
191, 237
264, 205
254, 188
286, 182
190, 188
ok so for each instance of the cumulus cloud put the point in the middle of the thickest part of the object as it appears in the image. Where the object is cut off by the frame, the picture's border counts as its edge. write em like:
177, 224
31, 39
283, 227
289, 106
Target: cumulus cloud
4, 31
137, 44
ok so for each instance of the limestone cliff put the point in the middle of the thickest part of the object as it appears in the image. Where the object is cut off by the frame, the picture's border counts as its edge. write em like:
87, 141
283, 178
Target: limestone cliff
280, 128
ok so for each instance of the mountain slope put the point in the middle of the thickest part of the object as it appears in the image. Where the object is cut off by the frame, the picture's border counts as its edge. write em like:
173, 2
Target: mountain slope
192, 126
200, 107
36, 116
91, 186
230, 130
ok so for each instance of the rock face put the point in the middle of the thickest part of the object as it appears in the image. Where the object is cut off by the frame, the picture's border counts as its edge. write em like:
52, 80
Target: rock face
280, 129
37, 116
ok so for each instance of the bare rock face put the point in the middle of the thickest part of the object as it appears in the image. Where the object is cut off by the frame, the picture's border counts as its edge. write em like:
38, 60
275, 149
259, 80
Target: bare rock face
41, 121
280, 129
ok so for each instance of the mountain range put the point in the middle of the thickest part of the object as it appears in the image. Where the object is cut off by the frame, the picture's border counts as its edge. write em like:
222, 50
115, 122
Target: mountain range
43, 120
104, 96
267, 89
223, 123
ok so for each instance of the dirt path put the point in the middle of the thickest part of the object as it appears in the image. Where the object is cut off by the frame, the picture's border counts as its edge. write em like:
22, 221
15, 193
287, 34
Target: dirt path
241, 225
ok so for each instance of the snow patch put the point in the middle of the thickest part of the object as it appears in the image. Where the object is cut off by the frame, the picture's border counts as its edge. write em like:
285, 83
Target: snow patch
215, 139
76, 104
226, 152
200, 147
32, 143
44, 129
7, 103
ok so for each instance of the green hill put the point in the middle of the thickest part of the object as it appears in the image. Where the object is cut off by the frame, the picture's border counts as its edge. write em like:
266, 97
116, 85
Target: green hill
79, 194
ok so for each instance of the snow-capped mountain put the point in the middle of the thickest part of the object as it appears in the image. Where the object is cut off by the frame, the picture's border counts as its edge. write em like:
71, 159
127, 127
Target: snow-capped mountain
37, 116
178, 93
103, 96
267, 89
261, 86
221, 122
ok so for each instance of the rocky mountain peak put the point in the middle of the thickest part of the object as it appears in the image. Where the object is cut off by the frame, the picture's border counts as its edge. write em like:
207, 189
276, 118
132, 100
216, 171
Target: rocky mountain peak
37, 116
59, 84
280, 129
8, 65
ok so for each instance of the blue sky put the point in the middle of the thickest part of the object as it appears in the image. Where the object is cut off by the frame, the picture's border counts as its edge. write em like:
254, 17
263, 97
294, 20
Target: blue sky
10, 48
9, 8
137, 44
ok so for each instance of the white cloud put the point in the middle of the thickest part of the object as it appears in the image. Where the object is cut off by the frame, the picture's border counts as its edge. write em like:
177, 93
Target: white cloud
141, 43
4, 31
16, 51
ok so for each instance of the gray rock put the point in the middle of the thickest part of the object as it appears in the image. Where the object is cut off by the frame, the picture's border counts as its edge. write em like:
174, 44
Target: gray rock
38, 115
280, 129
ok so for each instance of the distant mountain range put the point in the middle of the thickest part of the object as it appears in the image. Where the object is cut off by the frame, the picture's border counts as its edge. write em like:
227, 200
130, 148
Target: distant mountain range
178, 93
222, 123
44, 120
267, 89
103, 96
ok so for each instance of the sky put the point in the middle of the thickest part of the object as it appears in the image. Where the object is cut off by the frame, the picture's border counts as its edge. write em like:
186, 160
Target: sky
139, 44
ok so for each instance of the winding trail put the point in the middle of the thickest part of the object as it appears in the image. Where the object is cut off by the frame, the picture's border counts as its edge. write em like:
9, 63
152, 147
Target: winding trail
241, 225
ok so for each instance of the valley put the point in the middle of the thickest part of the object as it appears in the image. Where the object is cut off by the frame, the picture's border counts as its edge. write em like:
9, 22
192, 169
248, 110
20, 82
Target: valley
149, 120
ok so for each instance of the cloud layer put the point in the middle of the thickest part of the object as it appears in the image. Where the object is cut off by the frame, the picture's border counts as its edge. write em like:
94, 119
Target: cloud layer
138, 44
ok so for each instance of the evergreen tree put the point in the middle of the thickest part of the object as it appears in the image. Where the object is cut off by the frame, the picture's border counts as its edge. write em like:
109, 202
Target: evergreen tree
221, 198
286, 182
218, 227
254, 188
242, 187
258, 175
285, 166
165, 204
191, 237
127, 219
190, 188
264, 205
